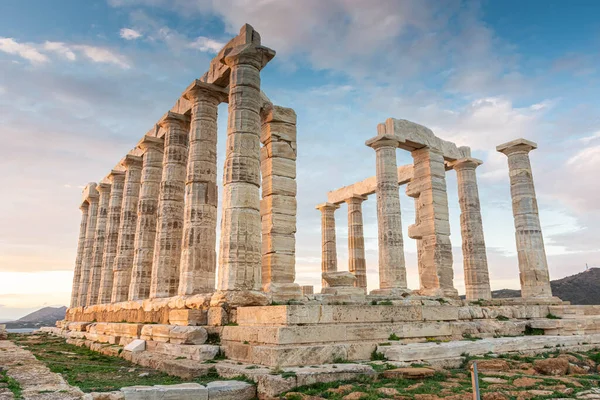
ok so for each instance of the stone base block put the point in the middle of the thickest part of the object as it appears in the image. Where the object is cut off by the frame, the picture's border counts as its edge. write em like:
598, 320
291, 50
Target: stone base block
391, 293
188, 317
283, 292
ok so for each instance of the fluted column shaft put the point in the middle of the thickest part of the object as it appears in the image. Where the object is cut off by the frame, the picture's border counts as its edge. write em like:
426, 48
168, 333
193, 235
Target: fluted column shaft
533, 265
392, 268
240, 246
198, 253
88, 250
356, 241
328, 239
98, 251
111, 237
79, 259
169, 226
477, 279
123, 263
145, 233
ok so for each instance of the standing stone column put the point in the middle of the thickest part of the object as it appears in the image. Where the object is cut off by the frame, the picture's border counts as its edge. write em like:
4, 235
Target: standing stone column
356, 241
91, 195
433, 226
533, 266
169, 226
123, 263
392, 268
240, 248
145, 235
477, 278
111, 237
198, 253
96, 268
328, 240
79, 259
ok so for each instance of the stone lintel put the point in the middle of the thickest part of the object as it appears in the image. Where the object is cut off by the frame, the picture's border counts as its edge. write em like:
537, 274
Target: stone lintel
90, 192
131, 160
171, 116
468, 162
383, 140
326, 205
516, 145
356, 197
367, 186
197, 87
148, 142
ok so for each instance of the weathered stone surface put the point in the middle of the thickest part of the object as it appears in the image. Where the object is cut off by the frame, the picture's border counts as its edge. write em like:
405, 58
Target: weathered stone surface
98, 251
135, 346
552, 366
339, 278
80, 251
182, 391
230, 390
88, 248
357, 264
328, 240
492, 365
409, 373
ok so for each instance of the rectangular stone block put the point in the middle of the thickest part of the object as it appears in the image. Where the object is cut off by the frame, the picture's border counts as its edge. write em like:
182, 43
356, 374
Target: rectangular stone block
277, 242
278, 166
273, 185
278, 224
278, 204
187, 317
277, 149
440, 313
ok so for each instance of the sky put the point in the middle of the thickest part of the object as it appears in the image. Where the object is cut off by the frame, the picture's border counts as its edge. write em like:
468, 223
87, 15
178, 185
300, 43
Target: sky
82, 81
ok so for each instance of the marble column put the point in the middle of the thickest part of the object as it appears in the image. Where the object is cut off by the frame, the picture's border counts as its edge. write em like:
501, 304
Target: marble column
111, 237
356, 241
169, 226
240, 245
145, 232
392, 268
96, 268
477, 278
432, 228
79, 259
198, 253
123, 263
91, 195
328, 240
533, 266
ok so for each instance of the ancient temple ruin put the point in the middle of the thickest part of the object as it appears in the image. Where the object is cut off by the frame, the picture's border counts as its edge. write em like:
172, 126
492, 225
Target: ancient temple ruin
147, 268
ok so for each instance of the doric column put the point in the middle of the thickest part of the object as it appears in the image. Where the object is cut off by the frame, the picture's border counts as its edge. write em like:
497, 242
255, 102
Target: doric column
123, 263
392, 268
145, 232
477, 278
96, 268
533, 266
240, 247
356, 241
198, 253
278, 204
169, 226
432, 228
328, 240
111, 237
80, 247
91, 195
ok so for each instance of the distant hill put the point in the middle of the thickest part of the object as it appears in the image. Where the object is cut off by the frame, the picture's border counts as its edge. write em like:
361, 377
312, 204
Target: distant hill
46, 316
581, 288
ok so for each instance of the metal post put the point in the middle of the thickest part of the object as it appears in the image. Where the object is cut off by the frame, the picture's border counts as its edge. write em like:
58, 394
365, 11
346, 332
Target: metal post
475, 381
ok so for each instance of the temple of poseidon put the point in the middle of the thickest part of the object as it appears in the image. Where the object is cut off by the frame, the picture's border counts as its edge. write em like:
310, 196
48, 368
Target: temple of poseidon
147, 287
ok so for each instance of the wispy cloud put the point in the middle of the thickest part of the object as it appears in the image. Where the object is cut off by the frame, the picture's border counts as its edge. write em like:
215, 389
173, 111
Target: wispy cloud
130, 34
26, 51
206, 44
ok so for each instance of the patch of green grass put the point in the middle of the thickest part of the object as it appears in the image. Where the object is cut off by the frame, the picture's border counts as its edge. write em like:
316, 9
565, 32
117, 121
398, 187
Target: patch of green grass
385, 303
442, 300
433, 340
11, 384
552, 316
393, 336
376, 356
213, 338
529, 331
341, 360
502, 318
477, 302
220, 356
468, 336
288, 374
231, 324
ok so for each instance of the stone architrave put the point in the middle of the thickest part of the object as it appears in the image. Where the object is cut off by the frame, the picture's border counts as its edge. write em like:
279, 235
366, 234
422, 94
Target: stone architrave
80, 248
433, 227
328, 240
477, 278
356, 241
96, 268
111, 237
198, 253
240, 245
533, 265
392, 268
153, 148
278, 204
169, 226
123, 263
91, 195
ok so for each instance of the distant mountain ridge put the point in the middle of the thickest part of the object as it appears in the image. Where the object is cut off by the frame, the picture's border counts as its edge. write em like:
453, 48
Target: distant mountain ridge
46, 316
581, 288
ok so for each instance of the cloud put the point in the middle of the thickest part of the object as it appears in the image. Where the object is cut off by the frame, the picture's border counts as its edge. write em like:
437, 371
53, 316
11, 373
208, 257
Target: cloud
60, 48
130, 34
104, 55
27, 51
206, 44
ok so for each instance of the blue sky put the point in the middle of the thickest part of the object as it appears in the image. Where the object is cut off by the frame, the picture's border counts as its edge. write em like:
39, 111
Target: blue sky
81, 82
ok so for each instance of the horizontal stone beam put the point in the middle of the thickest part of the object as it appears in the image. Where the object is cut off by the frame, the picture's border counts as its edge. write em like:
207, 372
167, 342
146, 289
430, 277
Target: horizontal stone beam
367, 186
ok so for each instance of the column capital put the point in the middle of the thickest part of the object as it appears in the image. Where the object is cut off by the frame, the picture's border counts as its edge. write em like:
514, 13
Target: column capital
103, 187
84, 206
356, 199
90, 192
516, 146
116, 175
327, 207
465, 163
131, 161
257, 56
384, 140
173, 118
198, 90
151, 142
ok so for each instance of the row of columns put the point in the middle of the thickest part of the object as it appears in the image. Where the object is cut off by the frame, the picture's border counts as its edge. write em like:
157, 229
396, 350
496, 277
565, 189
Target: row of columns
432, 229
151, 231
